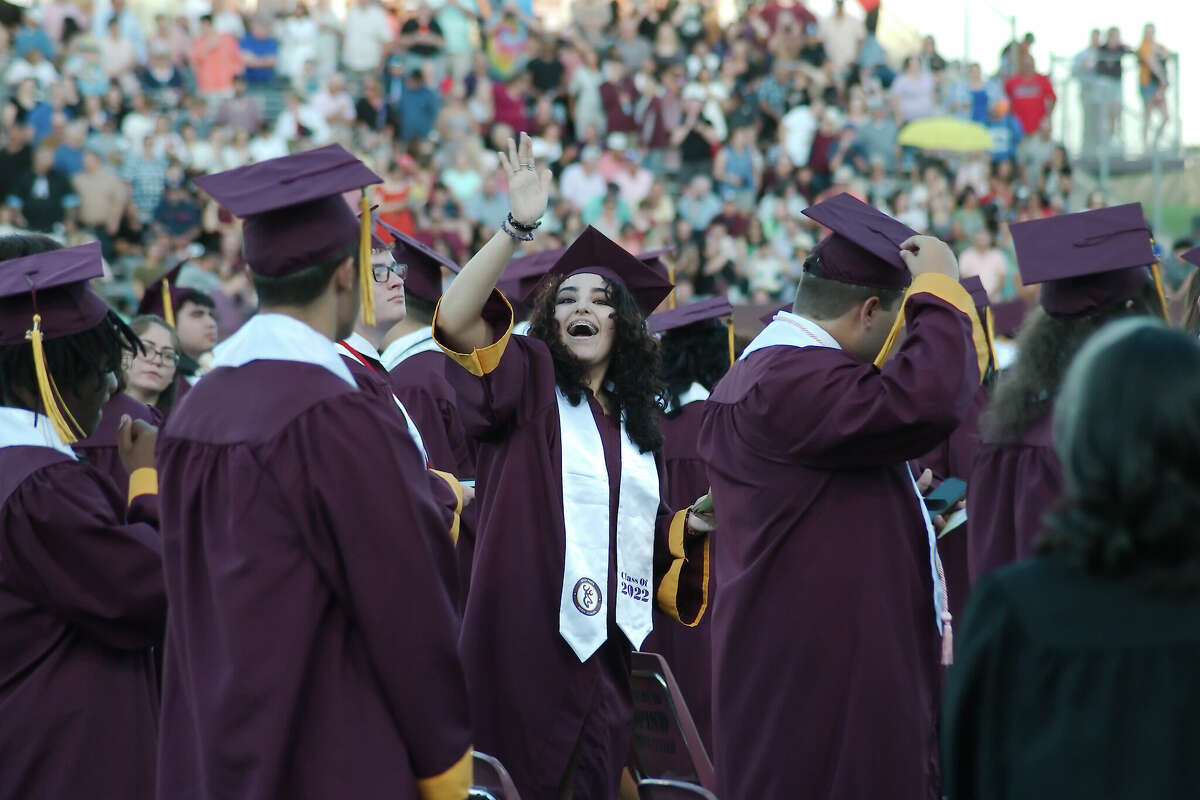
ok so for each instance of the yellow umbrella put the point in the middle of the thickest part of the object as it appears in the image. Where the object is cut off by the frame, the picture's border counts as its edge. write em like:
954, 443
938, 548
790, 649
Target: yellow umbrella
946, 133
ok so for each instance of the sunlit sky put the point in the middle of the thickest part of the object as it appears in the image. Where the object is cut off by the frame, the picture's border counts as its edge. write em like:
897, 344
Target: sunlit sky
1061, 28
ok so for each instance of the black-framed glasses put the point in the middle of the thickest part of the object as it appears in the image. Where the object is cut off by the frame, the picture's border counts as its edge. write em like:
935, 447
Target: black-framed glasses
167, 356
381, 272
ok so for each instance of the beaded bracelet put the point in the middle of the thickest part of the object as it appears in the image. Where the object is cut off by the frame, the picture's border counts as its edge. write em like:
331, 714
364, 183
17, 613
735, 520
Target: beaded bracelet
521, 226
526, 237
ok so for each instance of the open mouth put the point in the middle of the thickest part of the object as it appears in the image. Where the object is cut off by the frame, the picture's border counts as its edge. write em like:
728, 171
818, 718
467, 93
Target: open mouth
581, 328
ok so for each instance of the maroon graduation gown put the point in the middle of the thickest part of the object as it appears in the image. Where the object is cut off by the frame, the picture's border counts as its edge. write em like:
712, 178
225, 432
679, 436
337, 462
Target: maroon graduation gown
420, 382
82, 603
953, 458
687, 650
311, 648
826, 652
533, 703
100, 449
372, 379
1013, 487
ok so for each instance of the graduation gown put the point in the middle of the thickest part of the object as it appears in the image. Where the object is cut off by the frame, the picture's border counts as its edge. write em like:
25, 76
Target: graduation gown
82, 603
372, 379
826, 648
533, 703
311, 648
953, 458
100, 449
687, 650
1013, 487
1067, 685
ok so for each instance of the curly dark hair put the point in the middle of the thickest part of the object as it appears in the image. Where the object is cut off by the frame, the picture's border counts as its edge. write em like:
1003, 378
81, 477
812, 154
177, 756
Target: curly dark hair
1128, 436
632, 377
1025, 393
696, 353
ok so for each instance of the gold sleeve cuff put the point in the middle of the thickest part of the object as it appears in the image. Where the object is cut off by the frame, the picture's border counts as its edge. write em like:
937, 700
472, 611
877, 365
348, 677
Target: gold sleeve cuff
142, 481
668, 588
453, 784
455, 487
480, 361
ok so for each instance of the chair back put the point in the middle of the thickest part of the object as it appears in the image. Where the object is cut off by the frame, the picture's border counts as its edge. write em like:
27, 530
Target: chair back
666, 744
651, 789
491, 781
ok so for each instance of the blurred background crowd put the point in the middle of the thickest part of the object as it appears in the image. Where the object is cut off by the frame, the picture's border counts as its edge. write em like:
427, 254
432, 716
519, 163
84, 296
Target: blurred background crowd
664, 126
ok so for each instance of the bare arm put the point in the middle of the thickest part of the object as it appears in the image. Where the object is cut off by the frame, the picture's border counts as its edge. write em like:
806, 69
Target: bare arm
460, 324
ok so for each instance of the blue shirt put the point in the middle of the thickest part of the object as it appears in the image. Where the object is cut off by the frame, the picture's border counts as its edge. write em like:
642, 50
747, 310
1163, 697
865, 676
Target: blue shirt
259, 47
68, 160
30, 38
418, 111
1006, 134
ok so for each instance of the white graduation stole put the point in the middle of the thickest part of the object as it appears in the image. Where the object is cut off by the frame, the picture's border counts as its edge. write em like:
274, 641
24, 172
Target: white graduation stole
583, 606
347, 350
791, 330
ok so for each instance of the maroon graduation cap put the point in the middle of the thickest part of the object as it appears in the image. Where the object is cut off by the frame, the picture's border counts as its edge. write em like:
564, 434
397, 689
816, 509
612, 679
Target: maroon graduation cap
294, 214
424, 278
864, 246
163, 295
1085, 261
46, 296
975, 288
983, 307
1192, 256
691, 314
524, 273
594, 252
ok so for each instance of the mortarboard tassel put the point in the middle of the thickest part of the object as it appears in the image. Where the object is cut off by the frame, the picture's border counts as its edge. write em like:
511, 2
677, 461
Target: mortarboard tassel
890, 342
168, 307
671, 278
64, 426
364, 263
732, 351
1156, 272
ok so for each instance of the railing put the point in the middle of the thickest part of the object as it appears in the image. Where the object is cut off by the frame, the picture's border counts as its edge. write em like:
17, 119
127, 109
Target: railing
1102, 121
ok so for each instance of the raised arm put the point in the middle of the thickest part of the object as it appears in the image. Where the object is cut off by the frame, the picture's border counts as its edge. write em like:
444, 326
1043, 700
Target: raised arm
460, 324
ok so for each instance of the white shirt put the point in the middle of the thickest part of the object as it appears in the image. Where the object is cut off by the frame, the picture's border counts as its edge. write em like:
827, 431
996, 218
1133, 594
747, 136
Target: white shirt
799, 129
334, 108
580, 187
286, 124
365, 34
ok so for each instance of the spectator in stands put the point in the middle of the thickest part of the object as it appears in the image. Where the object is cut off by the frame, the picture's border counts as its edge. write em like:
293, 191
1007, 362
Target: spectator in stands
334, 104
43, 196
773, 97
68, 156
161, 78
243, 110
490, 206
1005, 130
30, 36
1152, 80
458, 21
698, 204
128, 21
1031, 94
972, 96
146, 175
216, 60
366, 33
423, 42
178, 215
31, 64
419, 106
260, 54
914, 91
619, 96
371, 109
1090, 93
841, 34
298, 37
695, 137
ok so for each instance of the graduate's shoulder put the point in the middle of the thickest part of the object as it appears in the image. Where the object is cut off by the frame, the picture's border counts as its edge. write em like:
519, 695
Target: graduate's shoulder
256, 401
773, 368
47, 473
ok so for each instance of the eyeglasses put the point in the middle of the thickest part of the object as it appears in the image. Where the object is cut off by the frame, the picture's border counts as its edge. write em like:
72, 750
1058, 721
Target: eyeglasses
382, 272
168, 357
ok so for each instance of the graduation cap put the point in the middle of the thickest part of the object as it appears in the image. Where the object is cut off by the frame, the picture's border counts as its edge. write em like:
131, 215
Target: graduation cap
1192, 256
424, 278
163, 295
294, 213
524, 273
594, 252
864, 246
46, 296
696, 313
1088, 260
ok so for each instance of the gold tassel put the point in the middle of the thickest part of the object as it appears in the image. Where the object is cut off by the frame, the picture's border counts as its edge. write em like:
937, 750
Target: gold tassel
64, 426
989, 324
364, 264
671, 278
168, 307
1156, 271
732, 353
890, 342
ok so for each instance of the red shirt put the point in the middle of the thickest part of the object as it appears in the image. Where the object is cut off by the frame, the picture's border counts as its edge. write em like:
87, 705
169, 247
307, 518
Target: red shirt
1029, 95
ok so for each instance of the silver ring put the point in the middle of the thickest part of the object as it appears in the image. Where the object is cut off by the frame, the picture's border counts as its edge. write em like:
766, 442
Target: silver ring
529, 167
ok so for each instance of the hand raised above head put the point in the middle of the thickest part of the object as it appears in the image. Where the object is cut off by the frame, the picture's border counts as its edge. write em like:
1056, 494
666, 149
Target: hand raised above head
929, 254
528, 189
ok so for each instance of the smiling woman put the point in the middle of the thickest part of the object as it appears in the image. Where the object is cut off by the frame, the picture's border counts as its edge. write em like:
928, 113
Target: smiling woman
569, 489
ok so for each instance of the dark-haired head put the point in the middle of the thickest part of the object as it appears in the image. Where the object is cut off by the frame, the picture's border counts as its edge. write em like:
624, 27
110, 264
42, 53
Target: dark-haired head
1127, 432
84, 366
333, 283
591, 324
859, 317
697, 353
1026, 392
